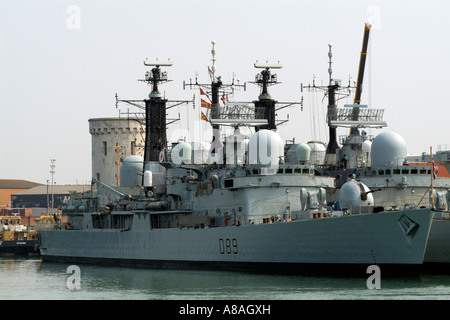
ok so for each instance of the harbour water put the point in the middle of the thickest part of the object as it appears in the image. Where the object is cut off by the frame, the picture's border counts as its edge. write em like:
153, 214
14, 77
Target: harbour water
30, 278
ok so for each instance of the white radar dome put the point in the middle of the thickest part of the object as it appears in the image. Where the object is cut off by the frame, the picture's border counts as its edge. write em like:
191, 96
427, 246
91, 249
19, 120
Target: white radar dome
265, 147
388, 148
299, 153
318, 150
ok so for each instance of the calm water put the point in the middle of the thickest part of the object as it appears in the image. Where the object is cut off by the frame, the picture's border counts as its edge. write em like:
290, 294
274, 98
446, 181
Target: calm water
30, 278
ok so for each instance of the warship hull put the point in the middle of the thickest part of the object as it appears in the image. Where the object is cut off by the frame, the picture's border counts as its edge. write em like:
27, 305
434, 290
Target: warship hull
437, 254
395, 241
438, 249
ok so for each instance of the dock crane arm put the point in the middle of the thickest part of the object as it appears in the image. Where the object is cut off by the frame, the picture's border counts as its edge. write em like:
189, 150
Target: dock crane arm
362, 63
359, 83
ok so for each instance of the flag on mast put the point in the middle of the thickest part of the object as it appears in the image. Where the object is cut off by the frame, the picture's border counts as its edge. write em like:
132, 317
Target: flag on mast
203, 117
203, 93
205, 104
434, 171
224, 99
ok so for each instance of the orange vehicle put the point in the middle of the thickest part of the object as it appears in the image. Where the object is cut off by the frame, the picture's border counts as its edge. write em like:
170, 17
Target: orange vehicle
15, 238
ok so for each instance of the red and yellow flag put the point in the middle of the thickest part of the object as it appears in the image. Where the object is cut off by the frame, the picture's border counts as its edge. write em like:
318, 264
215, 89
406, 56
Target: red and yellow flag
205, 104
204, 117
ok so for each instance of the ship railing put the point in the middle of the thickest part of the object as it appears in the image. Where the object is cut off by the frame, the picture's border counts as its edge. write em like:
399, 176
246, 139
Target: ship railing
241, 220
367, 117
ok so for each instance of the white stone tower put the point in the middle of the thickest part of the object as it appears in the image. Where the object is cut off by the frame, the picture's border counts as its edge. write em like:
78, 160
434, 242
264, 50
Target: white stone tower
114, 139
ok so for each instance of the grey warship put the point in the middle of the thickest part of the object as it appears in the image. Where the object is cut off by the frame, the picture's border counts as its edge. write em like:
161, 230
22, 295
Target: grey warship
253, 204
381, 163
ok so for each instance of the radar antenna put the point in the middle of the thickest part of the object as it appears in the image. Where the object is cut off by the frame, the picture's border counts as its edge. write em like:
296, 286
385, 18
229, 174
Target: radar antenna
155, 111
265, 106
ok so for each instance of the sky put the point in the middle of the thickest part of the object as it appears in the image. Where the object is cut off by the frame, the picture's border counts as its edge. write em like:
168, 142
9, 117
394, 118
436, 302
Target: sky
62, 62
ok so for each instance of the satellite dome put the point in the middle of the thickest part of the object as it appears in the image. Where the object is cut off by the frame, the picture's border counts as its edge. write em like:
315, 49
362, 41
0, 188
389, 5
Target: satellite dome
299, 153
131, 171
318, 151
265, 148
388, 148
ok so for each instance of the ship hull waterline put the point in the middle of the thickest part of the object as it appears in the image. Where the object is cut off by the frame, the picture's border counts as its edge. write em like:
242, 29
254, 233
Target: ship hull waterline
342, 246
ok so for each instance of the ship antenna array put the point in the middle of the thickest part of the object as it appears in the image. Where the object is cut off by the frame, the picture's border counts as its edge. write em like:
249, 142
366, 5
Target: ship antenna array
152, 78
353, 115
265, 78
216, 81
155, 75
332, 90
266, 107
334, 83
212, 89
154, 116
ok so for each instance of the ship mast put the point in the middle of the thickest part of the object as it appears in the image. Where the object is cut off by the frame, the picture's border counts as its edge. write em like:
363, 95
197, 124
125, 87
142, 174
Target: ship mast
330, 154
351, 116
265, 105
332, 90
213, 90
216, 83
155, 112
